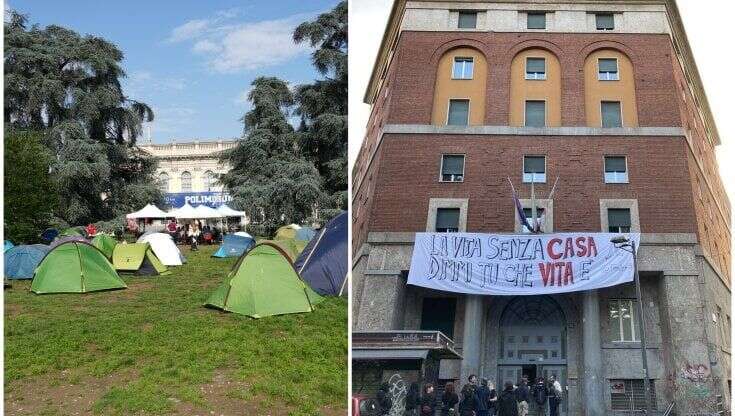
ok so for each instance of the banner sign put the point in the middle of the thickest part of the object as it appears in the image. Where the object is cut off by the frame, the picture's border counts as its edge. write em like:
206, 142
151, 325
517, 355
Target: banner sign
210, 199
504, 264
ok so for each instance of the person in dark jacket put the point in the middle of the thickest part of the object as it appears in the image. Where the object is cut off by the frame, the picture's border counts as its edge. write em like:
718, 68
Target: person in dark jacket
449, 400
523, 396
385, 403
468, 405
540, 396
483, 398
507, 403
428, 401
412, 400
492, 400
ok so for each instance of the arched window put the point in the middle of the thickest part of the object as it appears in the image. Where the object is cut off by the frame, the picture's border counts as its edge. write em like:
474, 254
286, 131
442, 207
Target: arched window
209, 180
185, 182
535, 89
609, 88
163, 180
459, 91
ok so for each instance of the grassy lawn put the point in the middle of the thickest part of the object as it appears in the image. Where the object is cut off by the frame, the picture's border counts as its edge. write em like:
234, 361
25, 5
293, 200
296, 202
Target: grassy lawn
154, 349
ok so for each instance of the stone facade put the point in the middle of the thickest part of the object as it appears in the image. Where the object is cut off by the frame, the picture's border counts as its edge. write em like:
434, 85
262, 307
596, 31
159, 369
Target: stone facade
674, 193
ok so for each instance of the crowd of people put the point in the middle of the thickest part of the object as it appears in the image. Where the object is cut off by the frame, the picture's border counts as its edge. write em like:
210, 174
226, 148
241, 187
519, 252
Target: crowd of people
190, 232
479, 399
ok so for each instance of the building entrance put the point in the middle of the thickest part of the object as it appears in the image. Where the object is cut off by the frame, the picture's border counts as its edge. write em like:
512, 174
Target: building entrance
532, 343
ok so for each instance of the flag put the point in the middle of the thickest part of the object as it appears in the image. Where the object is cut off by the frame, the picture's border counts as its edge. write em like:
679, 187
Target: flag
519, 208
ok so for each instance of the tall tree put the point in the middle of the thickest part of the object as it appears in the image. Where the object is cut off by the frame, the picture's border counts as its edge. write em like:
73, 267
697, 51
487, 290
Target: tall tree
269, 179
30, 194
322, 105
68, 86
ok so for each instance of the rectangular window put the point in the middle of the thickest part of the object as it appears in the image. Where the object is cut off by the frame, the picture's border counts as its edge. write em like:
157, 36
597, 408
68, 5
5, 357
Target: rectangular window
616, 169
535, 68
467, 20
618, 220
462, 68
611, 115
623, 320
627, 394
452, 168
535, 113
536, 21
459, 113
529, 215
447, 220
607, 69
437, 314
605, 21
534, 169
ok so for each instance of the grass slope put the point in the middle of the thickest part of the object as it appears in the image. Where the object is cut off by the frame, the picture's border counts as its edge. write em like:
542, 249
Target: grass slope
154, 349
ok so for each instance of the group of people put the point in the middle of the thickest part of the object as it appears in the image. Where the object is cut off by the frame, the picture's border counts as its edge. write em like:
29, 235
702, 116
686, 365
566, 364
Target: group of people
479, 399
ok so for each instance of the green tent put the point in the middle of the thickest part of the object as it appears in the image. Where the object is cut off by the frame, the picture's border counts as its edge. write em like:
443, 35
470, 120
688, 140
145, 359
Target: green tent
69, 232
137, 258
75, 267
105, 244
263, 282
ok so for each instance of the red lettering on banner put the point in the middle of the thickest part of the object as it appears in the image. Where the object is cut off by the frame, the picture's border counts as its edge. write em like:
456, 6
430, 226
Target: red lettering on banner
568, 249
568, 277
582, 248
547, 273
592, 246
550, 248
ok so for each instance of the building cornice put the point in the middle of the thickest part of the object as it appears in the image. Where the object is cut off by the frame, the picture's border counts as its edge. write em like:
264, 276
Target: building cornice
678, 34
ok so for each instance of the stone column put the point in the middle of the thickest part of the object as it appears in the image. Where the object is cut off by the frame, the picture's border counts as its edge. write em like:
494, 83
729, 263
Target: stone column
592, 377
471, 337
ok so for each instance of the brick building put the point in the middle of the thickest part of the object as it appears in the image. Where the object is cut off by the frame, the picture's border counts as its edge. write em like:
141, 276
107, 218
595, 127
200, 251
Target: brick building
604, 95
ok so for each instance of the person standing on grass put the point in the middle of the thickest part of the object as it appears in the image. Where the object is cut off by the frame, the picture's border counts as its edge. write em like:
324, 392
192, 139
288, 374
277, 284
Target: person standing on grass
507, 403
412, 400
194, 236
449, 400
171, 227
428, 401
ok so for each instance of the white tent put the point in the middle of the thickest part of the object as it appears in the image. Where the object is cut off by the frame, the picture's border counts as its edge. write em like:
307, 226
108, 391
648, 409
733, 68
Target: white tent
243, 234
149, 211
164, 248
206, 212
229, 212
187, 211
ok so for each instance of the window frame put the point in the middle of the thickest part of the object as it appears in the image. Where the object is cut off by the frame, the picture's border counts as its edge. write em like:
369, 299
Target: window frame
459, 215
597, 26
459, 18
617, 72
190, 181
630, 221
633, 320
536, 13
602, 120
533, 175
535, 76
469, 109
624, 180
525, 113
464, 59
441, 167
167, 182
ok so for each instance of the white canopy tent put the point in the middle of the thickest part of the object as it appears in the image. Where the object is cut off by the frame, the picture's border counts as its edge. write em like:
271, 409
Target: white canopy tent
229, 212
205, 212
149, 211
187, 212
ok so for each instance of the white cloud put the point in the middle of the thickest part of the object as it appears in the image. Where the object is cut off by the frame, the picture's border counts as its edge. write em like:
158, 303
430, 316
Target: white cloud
232, 47
242, 97
139, 82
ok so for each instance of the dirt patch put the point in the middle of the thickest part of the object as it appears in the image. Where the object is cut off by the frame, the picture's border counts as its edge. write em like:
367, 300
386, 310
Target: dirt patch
63, 393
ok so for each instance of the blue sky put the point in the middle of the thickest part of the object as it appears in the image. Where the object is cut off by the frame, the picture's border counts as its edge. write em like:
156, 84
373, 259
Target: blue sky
192, 61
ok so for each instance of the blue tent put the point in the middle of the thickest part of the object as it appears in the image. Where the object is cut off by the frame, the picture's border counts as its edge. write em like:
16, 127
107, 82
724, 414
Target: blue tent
234, 246
49, 234
305, 233
8, 245
21, 261
323, 263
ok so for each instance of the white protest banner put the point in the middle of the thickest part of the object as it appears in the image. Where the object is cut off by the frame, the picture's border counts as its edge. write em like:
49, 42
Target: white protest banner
504, 264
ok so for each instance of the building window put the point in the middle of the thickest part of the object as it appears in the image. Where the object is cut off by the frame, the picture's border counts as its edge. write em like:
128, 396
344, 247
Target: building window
535, 68
535, 113
534, 169
452, 168
627, 394
462, 68
622, 320
611, 115
467, 20
186, 182
447, 220
163, 179
536, 21
529, 215
605, 21
607, 69
437, 314
209, 180
616, 169
459, 113
618, 220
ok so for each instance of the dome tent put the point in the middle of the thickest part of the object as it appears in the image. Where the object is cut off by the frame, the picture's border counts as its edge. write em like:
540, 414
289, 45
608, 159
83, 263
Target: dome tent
234, 246
8, 245
105, 244
323, 263
21, 261
75, 267
137, 258
164, 248
263, 282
